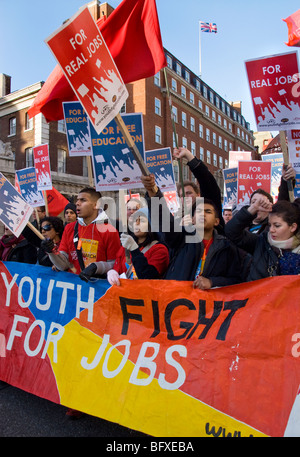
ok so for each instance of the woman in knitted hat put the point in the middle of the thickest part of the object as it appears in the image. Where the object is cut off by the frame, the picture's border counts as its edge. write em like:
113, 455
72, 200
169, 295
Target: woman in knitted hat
142, 255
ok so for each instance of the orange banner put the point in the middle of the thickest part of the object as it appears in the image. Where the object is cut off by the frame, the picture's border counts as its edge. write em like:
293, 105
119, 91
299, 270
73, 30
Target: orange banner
156, 356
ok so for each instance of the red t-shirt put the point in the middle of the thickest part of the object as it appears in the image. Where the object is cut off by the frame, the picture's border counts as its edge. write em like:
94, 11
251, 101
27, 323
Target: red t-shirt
99, 242
157, 255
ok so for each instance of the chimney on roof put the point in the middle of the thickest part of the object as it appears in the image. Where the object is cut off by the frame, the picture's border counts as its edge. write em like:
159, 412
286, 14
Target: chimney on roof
5, 84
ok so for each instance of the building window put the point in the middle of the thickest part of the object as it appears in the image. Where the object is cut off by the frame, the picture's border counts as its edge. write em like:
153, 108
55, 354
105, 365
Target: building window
200, 130
28, 122
187, 76
211, 96
178, 68
174, 85
183, 119
29, 157
175, 113
204, 89
198, 87
220, 162
201, 153
169, 61
184, 142
12, 126
207, 135
157, 106
183, 91
220, 142
208, 159
214, 138
61, 161
193, 148
219, 119
192, 98
200, 104
207, 110
225, 145
192, 124
213, 115
157, 134
61, 126
157, 79
215, 163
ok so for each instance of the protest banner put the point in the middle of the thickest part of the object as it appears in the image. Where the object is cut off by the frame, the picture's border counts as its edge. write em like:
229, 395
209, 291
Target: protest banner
160, 163
273, 83
276, 160
42, 167
236, 156
15, 212
114, 164
252, 176
77, 128
56, 202
156, 356
28, 186
230, 185
87, 64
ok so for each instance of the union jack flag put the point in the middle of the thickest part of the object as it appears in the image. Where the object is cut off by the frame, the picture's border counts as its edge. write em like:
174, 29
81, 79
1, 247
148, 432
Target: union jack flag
208, 27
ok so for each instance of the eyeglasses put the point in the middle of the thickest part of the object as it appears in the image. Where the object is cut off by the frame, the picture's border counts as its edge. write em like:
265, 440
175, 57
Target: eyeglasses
47, 227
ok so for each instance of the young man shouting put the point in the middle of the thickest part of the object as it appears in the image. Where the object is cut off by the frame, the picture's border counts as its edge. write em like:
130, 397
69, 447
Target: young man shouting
88, 246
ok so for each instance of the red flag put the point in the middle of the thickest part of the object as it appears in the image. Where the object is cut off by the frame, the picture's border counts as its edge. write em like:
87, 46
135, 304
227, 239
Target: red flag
293, 23
56, 202
132, 34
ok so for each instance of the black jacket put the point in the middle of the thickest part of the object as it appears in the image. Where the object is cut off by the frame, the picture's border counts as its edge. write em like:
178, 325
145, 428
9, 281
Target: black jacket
222, 265
265, 258
23, 252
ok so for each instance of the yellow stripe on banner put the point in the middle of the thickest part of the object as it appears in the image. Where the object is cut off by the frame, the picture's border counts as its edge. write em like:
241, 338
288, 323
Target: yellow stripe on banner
149, 409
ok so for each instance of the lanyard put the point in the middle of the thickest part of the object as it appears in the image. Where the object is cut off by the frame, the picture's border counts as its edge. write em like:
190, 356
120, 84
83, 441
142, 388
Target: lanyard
203, 258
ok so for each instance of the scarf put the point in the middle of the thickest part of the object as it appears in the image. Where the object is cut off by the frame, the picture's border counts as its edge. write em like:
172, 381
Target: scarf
292, 244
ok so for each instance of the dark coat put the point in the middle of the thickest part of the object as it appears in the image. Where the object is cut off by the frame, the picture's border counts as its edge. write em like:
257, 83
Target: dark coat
265, 258
23, 252
222, 265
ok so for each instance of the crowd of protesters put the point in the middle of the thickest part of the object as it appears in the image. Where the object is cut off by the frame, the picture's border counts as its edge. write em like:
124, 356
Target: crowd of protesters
203, 242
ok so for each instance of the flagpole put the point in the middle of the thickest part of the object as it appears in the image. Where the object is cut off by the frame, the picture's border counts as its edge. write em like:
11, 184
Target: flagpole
200, 68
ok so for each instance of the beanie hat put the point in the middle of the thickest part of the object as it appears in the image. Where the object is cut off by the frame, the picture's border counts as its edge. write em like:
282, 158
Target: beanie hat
71, 206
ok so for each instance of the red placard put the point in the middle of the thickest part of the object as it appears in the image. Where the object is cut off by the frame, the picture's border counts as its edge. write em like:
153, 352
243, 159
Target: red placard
42, 167
252, 176
273, 85
87, 64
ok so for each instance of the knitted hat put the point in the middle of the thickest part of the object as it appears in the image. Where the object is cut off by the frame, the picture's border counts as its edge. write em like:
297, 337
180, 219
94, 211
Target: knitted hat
71, 206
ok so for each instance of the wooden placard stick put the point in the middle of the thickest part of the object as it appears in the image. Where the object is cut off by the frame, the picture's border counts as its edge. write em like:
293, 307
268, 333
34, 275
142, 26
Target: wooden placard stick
90, 171
131, 144
46, 202
286, 162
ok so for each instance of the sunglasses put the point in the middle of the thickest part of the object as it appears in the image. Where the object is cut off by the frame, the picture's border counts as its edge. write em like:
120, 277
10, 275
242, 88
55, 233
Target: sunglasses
47, 227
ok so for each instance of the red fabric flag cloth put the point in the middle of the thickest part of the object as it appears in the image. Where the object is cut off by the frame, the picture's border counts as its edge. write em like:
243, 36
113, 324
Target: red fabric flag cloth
132, 35
293, 23
56, 202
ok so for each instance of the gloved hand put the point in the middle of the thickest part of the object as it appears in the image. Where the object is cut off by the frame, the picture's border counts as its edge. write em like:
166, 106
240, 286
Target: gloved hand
113, 277
88, 272
128, 242
47, 245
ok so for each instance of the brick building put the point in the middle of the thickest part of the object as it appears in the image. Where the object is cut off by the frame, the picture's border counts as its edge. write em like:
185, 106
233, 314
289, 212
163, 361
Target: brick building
205, 123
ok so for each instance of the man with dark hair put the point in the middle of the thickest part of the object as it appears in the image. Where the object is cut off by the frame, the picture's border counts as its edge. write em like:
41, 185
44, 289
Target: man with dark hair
200, 253
89, 245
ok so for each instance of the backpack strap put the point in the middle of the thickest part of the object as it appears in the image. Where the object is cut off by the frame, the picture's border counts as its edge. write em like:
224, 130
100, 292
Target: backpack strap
79, 251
